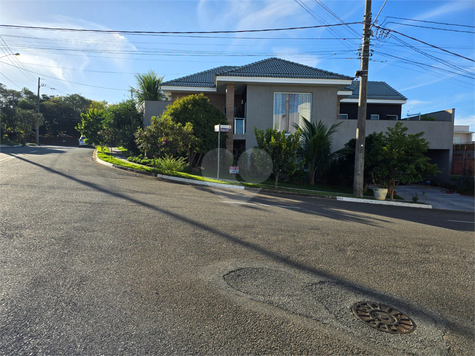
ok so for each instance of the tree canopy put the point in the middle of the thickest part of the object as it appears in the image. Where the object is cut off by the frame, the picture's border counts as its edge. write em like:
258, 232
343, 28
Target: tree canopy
402, 159
197, 110
317, 142
148, 87
282, 149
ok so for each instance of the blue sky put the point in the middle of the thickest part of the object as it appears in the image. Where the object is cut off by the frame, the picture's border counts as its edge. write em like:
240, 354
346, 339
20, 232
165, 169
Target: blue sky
101, 66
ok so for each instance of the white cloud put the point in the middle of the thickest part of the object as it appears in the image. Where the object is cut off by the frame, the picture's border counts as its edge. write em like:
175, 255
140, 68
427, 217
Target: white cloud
467, 120
414, 107
291, 54
449, 7
62, 54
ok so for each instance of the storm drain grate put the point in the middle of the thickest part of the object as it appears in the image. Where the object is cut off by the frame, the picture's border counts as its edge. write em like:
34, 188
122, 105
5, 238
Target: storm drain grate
383, 318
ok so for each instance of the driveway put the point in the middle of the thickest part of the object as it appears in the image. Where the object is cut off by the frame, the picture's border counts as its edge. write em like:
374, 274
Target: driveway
439, 198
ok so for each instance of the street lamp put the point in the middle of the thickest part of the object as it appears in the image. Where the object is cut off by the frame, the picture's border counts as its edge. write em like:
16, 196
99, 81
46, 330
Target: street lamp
10, 54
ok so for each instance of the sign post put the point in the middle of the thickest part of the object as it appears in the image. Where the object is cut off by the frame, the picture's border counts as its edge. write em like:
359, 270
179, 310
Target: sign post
220, 128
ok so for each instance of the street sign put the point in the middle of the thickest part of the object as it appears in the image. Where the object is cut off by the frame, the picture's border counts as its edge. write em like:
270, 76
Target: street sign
233, 170
222, 128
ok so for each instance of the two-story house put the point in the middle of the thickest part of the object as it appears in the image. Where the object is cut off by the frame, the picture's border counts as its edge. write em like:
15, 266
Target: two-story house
276, 92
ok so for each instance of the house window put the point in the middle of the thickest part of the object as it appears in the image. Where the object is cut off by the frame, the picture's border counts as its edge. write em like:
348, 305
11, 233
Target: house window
289, 108
343, 116
374, 116
239, 126
392, 117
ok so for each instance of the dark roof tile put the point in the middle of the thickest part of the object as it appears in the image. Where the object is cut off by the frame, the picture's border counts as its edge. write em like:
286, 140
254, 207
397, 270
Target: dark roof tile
376, 90
201, 79
279, 68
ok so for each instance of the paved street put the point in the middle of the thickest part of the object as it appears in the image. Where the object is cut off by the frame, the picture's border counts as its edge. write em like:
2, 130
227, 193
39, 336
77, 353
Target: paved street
100, 261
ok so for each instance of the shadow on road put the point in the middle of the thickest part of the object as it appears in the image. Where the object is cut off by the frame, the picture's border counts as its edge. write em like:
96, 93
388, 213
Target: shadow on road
345, 210
455, 326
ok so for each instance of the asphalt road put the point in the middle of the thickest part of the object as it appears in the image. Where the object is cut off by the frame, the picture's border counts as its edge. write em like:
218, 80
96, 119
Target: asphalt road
99, 261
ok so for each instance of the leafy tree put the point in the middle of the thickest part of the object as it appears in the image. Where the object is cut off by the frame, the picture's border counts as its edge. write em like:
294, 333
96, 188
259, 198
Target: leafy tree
92, 125
164, 137
24, 123
317, 142
282, 148
197, 110
148, 87
344, 165
402, 159
122, 122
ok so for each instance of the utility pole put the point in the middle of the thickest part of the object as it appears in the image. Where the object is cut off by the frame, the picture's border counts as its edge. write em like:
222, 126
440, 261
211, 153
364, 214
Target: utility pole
38, 107
358, 178
38, 110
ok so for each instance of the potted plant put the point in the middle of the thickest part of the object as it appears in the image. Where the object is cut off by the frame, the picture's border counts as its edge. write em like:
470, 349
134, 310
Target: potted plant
381, 186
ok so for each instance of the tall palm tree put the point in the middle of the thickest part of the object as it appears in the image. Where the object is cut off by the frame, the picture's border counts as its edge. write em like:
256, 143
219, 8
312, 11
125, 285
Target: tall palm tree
317, 141
148, 87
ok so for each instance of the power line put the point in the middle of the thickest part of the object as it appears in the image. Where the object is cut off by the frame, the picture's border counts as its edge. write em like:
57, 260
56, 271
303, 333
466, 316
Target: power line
327, 9
191, 44
382, 7
430, 28
172, 32
321, 21
67, 81
10, 80
13, 59
439, 23
449, 64
428, 44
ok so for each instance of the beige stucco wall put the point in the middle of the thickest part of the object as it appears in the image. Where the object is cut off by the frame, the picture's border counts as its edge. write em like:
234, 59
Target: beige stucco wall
152, 108
260, 105
439, 134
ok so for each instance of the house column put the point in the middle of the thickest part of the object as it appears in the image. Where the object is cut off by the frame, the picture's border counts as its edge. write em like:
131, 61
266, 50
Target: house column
230, 115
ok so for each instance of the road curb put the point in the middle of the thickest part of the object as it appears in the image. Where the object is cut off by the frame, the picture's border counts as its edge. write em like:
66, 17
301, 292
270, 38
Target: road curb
240, 187
198, 182
385, 202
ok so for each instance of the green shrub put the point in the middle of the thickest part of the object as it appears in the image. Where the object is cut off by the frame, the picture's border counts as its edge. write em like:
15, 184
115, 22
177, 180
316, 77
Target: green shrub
169, 164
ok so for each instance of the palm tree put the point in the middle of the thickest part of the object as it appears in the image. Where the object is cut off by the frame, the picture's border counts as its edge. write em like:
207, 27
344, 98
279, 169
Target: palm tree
148, 87
317, 143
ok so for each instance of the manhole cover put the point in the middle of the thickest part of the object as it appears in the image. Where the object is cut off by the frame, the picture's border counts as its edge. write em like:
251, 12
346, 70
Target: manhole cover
383, 318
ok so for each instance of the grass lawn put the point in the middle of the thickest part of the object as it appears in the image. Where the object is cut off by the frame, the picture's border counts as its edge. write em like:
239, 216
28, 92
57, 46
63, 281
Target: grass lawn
318, 189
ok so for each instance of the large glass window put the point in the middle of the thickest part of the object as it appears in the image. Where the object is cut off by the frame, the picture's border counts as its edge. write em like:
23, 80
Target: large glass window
289, 108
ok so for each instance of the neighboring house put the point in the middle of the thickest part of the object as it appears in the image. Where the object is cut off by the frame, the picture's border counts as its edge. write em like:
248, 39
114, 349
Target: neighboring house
383, 103
463, 161
276, 92
462, 134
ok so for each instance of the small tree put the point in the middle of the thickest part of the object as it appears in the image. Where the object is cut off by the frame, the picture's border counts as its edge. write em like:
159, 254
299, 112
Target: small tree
123, 121
148, 87
92, 125
344, 165
165, 137
317, 142
402, 159
282, 148
197, 110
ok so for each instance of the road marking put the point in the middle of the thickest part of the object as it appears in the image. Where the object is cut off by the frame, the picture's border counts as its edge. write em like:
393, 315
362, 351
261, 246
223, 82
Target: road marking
261, 204
461, 221
6, 159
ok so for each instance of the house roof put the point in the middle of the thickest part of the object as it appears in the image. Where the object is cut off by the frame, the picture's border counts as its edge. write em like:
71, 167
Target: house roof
201, 79
376, 90
280, 68
267, 68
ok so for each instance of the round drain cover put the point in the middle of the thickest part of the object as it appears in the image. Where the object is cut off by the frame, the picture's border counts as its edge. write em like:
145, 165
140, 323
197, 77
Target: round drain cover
383, 318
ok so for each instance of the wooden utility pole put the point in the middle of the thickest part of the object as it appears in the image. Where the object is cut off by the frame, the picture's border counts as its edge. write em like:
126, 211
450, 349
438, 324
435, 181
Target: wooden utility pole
358, 178
38, 107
